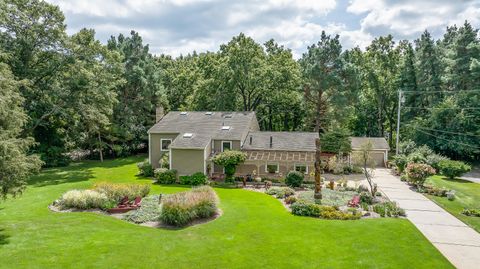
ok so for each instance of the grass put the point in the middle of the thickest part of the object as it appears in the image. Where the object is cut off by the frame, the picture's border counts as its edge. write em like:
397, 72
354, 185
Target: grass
467, 196
255, 231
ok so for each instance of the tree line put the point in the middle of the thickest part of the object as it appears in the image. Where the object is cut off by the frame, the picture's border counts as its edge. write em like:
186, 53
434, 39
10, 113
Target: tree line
70, 93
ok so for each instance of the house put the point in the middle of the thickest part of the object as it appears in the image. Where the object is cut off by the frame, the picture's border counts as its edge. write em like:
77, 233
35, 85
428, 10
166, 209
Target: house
191, 138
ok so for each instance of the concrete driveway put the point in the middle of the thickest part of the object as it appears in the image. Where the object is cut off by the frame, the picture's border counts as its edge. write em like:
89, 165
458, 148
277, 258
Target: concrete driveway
473, 175
459, 243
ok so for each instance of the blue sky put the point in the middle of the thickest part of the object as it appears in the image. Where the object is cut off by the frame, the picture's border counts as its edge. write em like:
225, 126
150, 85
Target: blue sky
180, 26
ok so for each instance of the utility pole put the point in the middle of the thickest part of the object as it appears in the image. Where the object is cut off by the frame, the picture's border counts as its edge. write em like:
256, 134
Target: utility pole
398, 120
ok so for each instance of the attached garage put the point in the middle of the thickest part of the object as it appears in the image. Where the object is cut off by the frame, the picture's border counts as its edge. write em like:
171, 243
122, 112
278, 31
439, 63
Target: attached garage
379, 145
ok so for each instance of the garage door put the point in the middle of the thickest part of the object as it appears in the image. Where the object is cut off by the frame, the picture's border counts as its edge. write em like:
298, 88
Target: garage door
378, 157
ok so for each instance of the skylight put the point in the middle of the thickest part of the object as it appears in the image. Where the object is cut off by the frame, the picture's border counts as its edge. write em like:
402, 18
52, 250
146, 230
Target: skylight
225, 127
187, 135
227, 116
183, 113
208, 113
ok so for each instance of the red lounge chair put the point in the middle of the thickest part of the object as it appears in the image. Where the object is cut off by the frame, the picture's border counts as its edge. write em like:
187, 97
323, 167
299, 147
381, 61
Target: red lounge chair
354, 202
124, 202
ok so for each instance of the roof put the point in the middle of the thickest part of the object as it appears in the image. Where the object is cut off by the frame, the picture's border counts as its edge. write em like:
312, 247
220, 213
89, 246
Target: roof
288, 156
290, 141
378, 143
204, 127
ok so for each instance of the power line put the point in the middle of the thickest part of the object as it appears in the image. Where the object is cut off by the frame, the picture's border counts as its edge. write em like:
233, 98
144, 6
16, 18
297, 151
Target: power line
428, 92
449, 140
448, 132
466, 108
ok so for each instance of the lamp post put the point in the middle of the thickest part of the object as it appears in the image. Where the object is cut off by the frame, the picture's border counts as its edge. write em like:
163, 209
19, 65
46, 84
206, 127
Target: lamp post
400, 101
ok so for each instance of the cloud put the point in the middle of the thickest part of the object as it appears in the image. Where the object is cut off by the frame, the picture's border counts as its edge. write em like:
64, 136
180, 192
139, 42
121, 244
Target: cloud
180, 26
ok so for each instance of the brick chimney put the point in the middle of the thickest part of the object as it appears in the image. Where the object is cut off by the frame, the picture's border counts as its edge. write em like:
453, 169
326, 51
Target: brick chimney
159, 113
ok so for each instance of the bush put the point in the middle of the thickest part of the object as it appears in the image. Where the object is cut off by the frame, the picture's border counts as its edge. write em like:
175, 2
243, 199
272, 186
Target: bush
471, 212
198, 178
116, 191
181, 208
388, 209
149, 211
417, 173
365, 197
453, 169
400, 162
294, 179
165, 176
280, 192
326, 212
290, 200
434, 160
441, 192
416, 157
229, 160
145, 168
83, 199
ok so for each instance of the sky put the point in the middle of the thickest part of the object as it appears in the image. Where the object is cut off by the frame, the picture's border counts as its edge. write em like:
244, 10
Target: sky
178, 27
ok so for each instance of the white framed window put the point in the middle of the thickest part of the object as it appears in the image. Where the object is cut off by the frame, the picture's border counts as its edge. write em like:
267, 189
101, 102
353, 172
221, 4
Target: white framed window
226, 145
164, 144
272, 168
302, 168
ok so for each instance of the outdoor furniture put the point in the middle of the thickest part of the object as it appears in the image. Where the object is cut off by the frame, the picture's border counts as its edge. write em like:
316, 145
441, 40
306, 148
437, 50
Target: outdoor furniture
354, 202
124, 202
136, 202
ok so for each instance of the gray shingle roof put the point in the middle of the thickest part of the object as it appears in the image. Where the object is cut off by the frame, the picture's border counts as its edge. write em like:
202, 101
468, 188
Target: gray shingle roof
290, 141
379, 143
204, 127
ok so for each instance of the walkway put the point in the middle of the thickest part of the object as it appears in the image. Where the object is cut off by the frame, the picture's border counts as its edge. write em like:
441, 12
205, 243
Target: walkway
459, 243
473, 175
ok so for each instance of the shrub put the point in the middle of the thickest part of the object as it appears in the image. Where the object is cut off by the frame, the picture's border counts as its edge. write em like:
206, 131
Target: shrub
165, 176
441, 192
417, 173
400, 162
403, 178
83, 199
388, 209
294, 179
198, 178
365, 197
416, 157
145, 168
471, 212
407, 147
149, 211
185, 180
116, 191
326, 212
181, 208
280, 192
290, 200
453, 169
229, 159
434, 160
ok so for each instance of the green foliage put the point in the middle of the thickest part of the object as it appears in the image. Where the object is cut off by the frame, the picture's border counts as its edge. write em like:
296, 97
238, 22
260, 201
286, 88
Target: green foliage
417, 173
329, 197
388, 209
336, 141
83, 199
321, 211
290, 200
179, 209
116, 191
196, 179
145, 169
280, 192
149, 210
294, 179
453, 169
16, 165
471, 212
165, 176
366, 197
400, 162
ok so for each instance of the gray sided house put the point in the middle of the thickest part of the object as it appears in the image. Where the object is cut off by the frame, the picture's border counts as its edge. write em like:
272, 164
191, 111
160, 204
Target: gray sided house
191, 139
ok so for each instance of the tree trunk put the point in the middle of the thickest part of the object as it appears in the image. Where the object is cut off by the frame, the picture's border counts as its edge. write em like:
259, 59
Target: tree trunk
318, 171
100, 147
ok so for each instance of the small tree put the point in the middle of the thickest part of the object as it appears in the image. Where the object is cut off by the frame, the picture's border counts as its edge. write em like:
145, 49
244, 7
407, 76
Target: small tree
229, 160
417, 173
294, 179
453, 169
364, 159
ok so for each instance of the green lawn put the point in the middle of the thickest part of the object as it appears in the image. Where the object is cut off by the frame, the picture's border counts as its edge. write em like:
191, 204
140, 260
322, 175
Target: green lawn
467, 196
255, 231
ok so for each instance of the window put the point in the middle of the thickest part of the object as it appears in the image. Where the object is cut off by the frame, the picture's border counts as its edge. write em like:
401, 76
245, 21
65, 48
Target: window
271, 168
302, 168
226, 145
165, 143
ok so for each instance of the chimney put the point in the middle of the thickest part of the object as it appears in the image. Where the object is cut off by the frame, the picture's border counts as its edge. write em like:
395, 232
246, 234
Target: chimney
251, 138
159, 113
271, 141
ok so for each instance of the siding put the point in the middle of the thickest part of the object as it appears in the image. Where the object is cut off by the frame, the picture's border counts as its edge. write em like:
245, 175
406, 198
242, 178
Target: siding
154, 149
217, 147
188, 161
